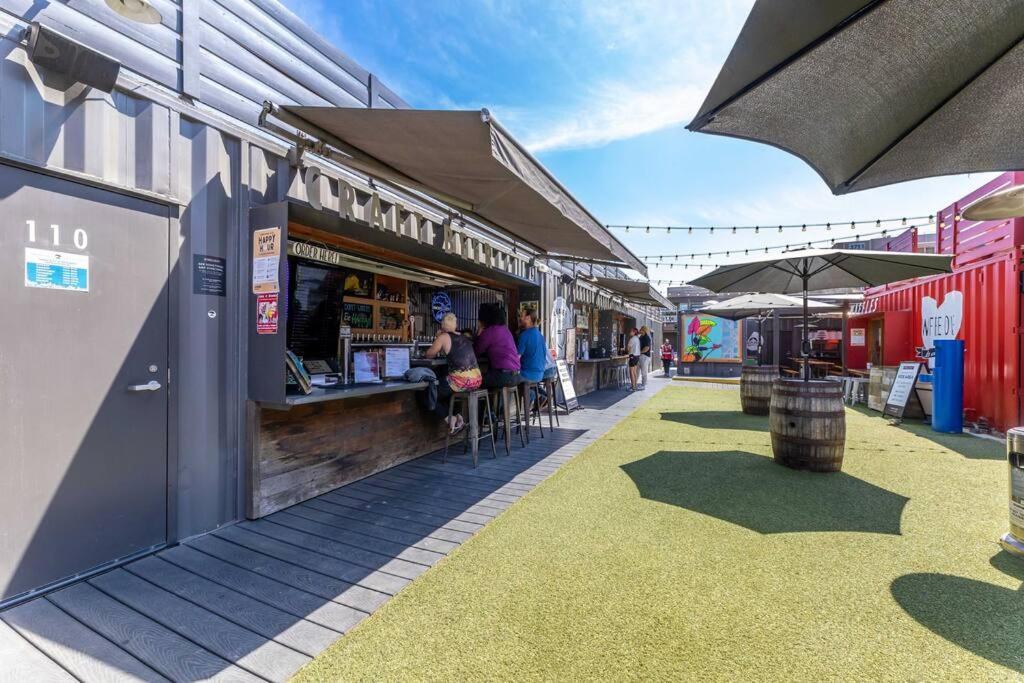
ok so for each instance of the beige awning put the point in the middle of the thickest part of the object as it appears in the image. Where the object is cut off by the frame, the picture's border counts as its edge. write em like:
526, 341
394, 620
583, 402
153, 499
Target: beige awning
469, 156
635, 290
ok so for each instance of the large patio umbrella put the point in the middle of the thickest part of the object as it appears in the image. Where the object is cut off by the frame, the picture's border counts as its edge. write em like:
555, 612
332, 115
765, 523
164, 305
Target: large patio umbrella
874, 92
759, 306
815, 269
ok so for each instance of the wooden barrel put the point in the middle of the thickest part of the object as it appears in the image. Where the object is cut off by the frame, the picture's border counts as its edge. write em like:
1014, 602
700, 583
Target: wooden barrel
756, 388
808, 424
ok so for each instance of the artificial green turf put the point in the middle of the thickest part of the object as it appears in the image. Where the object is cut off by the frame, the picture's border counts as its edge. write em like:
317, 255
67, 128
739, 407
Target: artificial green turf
675, 548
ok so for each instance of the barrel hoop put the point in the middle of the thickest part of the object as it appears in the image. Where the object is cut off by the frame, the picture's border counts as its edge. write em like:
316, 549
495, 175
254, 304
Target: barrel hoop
828, 392
809, 442
807, 413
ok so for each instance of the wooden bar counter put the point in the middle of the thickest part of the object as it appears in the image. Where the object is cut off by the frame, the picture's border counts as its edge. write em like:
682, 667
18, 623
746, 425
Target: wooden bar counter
315, 443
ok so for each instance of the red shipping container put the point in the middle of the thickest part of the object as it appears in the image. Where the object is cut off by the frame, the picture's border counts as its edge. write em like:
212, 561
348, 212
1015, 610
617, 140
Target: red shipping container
980, 304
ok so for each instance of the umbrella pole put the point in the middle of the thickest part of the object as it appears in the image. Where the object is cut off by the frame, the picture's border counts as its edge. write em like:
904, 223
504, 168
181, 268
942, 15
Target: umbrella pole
805, 346
776, 339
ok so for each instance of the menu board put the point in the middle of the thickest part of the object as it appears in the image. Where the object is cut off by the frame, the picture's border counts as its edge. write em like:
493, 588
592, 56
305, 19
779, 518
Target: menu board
366, 366
358, 316
902, 386
396, 361
565, 383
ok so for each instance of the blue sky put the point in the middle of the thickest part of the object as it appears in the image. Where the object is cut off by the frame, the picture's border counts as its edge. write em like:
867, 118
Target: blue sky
600, 92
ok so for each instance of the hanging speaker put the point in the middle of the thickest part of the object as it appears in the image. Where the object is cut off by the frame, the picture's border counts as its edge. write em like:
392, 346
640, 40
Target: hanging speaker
61, 55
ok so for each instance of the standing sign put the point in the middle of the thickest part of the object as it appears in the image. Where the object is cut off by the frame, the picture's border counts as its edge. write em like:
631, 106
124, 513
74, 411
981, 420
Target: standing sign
902, 386
266, 256
568, 390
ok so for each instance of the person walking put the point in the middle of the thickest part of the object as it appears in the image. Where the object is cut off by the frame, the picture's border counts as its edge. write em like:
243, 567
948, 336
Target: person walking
463, 371
666, 357
633, 349
645, 355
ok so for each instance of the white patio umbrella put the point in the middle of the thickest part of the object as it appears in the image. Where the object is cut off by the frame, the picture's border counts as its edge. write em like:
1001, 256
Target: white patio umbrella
815, 269
760, 306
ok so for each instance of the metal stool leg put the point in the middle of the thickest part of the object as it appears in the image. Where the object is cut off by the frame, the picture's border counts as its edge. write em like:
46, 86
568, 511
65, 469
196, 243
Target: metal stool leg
474, 427
549, 386
506, 414
490, 424
448, 429
535, 405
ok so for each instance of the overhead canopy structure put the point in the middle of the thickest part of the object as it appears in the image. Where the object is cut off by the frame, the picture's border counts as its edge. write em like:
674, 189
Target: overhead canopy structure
635, 290
873, 92
467, 155
750, 305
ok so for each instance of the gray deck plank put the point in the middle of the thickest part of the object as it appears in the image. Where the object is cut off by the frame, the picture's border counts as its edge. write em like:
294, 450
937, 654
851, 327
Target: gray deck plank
161, 648
427, 531
418, 505
409, 475
410, 498
409, 538
259, 617
328, 566
78, 649
314, 608
338, 498
369, 562
247, 649
444, 489
402, 551
341, 592
23, 662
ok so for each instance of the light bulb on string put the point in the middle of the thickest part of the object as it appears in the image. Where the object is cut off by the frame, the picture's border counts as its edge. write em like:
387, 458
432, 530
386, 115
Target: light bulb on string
828, 226
780, 228
803, 228
734, 229
712, 230
757, 229
689, 231
904, 220
669, 230
627, 228
648, 229
853, 225
878, 224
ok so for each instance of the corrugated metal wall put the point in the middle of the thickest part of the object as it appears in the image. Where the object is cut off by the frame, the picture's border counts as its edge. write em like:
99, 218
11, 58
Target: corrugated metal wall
990, 327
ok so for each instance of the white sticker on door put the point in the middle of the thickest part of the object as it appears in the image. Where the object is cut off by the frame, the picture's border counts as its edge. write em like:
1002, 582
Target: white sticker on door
56, 270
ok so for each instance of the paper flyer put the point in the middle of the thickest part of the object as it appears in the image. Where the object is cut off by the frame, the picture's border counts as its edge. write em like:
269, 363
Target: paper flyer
266, 256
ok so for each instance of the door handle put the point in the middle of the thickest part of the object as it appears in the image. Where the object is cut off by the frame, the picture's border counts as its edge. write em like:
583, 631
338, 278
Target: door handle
151, 385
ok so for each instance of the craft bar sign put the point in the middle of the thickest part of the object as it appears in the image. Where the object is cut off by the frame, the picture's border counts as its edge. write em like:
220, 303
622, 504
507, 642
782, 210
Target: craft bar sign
364, 205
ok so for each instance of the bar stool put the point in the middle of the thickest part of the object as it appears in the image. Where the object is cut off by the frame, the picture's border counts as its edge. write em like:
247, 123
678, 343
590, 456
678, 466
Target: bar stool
532, 404
621, 375
472, 401
549, 386
507, 396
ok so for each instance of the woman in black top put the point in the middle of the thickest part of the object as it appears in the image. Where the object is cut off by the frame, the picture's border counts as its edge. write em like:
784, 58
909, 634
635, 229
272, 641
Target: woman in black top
463, 371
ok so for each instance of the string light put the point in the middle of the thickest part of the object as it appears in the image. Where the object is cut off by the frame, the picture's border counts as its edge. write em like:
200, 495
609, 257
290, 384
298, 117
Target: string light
810, 243
756, 228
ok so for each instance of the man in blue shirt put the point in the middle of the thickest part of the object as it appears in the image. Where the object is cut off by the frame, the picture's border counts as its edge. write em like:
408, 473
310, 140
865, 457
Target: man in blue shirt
533, 352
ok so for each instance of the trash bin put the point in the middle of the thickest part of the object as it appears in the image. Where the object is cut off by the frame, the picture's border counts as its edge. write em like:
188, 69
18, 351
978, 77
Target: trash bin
948, 386
1013, 540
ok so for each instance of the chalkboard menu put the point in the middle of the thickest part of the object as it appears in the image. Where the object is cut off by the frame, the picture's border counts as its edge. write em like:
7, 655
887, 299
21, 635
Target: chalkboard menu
314, 309
357, 316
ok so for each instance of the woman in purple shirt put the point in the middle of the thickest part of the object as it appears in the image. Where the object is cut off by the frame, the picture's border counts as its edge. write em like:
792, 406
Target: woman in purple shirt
494, 342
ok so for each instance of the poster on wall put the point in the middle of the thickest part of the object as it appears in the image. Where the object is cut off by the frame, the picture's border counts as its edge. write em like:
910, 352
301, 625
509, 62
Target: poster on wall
939, 322
266, 256
266, 313
709, 339
857, 336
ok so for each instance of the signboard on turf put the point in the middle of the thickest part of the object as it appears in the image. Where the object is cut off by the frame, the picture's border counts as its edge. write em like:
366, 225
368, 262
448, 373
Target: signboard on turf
902, 387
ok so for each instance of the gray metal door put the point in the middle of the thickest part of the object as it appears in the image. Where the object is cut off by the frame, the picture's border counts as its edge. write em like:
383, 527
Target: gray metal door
83, 378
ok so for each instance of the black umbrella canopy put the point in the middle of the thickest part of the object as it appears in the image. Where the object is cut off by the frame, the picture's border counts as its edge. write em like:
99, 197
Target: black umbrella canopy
750, 305
874, 92
814, 269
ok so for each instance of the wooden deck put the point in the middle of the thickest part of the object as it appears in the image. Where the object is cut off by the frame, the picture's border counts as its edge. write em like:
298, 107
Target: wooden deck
258, 599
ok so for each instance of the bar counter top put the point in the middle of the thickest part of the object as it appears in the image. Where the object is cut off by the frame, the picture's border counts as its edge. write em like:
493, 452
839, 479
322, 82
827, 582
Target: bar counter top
338, 393
601, 360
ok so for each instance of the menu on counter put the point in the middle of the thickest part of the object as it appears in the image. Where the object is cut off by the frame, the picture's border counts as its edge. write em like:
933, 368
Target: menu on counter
396, 361
366, 365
